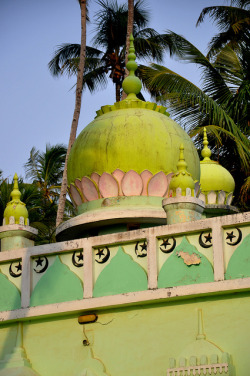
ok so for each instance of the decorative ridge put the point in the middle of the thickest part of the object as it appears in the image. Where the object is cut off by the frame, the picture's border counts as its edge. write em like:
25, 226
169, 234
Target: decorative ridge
137, 103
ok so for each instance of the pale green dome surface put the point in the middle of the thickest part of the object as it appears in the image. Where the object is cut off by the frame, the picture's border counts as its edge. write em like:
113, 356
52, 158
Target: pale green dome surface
137, 136
214, 177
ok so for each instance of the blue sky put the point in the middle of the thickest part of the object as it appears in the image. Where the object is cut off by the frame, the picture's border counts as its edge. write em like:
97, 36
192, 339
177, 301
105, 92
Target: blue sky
36, 108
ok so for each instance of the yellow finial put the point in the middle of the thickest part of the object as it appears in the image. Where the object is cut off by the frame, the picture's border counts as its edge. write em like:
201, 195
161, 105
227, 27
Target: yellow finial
181, 165
15, 194
15, 212
131, 84
206, 152
182, 179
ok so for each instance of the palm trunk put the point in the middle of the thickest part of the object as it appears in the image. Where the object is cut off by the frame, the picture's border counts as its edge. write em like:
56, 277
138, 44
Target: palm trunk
118, 92
78, 100
129, 32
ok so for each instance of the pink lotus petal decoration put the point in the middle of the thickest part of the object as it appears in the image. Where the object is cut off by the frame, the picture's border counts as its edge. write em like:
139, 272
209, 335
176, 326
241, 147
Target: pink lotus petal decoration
118, 175
95, 177
75, 195
78, 185
158, 185
132, 184
145, 175
108, 185
120, 183
169, 177
89, 189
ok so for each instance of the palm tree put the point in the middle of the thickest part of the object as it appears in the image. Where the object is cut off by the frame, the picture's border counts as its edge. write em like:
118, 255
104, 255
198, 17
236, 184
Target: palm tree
45, 170
111, 30
233, 22
222, 104
78, 101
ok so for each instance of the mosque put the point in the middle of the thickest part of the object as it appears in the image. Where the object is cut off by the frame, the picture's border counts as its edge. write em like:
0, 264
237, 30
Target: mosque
151, 278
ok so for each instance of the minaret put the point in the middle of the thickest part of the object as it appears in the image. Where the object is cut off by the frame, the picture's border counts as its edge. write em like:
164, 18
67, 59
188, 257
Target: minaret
182, 205
16, 232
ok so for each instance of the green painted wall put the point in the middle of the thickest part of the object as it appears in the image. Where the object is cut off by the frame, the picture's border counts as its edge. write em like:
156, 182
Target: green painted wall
238, 266
136, 341
58, 284
9, 295
185, 266
121, 275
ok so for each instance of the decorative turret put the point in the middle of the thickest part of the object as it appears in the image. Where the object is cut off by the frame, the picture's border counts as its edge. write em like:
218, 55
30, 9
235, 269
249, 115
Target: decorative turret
182, 181
217, 184
16, 211
16, 232
182, 205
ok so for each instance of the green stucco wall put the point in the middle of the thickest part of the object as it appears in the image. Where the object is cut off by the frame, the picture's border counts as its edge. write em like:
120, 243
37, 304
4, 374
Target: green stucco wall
135, 341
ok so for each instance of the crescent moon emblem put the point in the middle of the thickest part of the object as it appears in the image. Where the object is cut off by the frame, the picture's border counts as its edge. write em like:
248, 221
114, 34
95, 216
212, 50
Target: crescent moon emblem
144, 247
76, 263
169, 249
202, 244
45, 266
237, 241
101, 253
15, 275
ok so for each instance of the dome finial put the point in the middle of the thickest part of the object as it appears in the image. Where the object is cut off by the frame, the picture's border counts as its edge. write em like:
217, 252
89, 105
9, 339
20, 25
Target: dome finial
181, 179
15, 194
206, 152
131, 84
181, 165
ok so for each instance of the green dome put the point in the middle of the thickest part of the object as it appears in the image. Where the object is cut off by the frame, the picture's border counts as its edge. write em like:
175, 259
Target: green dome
131, 135
214, 177
15, 209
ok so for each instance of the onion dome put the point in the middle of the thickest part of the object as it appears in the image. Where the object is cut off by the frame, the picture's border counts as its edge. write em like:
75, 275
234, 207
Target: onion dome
124, 159
182, 179
16, 211
217, 184
128, 149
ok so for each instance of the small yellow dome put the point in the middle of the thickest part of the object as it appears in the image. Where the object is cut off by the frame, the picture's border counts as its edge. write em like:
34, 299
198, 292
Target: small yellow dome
214, 177
182, 179
16, 211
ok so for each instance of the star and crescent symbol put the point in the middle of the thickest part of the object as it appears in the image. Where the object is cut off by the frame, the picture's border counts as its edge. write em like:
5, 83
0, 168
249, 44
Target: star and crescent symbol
102, 255
18, 271
205, 239
77, 258
230, 236
168, 244
42, 264
142, 251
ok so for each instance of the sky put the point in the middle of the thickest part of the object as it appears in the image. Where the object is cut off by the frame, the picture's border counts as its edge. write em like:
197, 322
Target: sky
36, 108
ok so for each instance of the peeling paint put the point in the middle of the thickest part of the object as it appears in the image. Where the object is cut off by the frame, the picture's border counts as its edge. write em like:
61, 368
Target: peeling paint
188, 259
